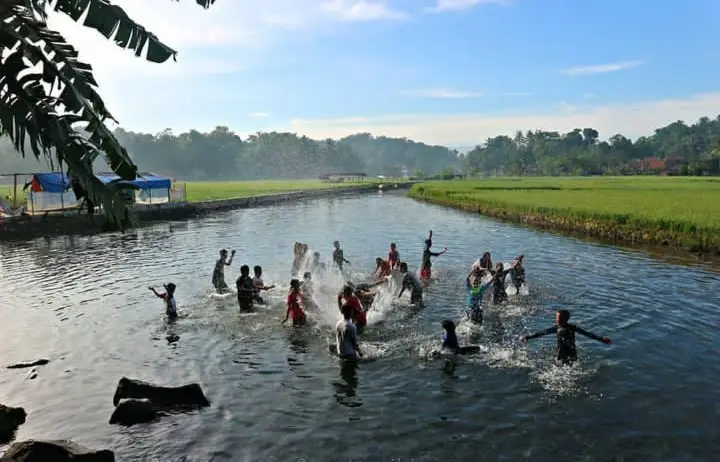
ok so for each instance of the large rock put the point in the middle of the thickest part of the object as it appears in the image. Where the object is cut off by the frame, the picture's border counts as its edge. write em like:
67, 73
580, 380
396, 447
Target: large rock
55, 451
10, 419
161, 397
37, 362
133, 411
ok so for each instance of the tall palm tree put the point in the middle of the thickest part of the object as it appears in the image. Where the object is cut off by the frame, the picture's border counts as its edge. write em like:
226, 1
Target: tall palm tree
48, 97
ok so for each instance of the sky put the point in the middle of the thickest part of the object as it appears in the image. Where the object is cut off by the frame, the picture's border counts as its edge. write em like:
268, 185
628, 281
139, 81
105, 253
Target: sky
449, 72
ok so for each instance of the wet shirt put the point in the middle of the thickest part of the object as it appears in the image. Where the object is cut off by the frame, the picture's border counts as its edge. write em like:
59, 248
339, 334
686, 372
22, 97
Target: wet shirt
346, 338
383, 269
359, 316
393, 258
245, 287
219, 271
517, 274
338, 257
426, 260
450, 341
411, 282
170, 305
566, 348
498, 283
293, 302
475, 294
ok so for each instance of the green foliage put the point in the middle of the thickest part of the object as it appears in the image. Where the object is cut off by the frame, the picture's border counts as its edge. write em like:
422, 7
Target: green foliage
48, 99
682, 209
223, 155
682, 150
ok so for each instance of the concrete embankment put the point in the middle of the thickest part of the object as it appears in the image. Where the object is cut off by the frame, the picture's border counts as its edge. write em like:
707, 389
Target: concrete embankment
28, 227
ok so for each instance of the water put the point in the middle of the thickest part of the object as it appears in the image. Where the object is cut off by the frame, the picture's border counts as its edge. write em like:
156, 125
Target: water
278, 395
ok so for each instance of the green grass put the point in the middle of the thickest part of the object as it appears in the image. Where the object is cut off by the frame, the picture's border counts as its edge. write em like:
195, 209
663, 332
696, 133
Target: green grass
682, 210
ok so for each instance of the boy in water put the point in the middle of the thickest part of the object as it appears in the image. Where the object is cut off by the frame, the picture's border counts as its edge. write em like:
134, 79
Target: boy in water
218, 277
259, 285
450, 341
382, 268
169, 298
476, 290
348, 297
410, 282
393, 257
566, 351
498, 282
517, 273
346, 335
484, 262
426, 265
294, 305
245, 289
316, 266
339, 256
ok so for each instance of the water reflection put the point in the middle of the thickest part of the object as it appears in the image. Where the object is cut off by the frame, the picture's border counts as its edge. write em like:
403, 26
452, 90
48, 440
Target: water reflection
346, 388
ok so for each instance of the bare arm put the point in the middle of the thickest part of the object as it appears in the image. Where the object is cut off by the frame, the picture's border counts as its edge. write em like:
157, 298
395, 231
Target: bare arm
156, 293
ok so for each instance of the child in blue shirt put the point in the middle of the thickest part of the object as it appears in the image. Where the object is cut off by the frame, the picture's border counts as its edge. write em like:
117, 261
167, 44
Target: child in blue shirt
476, 289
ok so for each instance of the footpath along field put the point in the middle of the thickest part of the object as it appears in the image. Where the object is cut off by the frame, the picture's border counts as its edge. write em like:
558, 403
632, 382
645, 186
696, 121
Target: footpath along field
682, 212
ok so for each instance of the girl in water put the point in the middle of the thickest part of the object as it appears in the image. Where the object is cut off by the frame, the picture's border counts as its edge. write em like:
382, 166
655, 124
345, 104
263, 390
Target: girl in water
169, 298
294, 305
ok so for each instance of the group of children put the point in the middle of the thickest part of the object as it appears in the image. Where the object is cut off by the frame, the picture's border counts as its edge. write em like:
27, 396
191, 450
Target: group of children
354, 300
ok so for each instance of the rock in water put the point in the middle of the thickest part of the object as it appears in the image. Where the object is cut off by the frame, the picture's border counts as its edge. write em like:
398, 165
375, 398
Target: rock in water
10, 419
133, 411
161, 397
54, 451
37, 362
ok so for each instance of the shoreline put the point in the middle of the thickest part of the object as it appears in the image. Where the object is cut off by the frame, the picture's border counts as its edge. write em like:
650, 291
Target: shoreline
30, 227
683, 247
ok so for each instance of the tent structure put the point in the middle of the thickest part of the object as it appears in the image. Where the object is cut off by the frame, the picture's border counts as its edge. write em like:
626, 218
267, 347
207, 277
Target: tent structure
145, 181
50, 182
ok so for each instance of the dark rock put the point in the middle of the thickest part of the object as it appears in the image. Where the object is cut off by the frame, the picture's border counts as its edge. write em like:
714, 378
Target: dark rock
161, 397
38, 362
32, 374
133, 411
10, 419
54, 451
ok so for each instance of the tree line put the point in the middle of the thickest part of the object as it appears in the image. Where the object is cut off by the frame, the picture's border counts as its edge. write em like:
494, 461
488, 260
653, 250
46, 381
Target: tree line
677, 148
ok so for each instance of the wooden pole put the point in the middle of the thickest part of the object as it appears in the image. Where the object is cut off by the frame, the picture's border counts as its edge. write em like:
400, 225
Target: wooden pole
15, 191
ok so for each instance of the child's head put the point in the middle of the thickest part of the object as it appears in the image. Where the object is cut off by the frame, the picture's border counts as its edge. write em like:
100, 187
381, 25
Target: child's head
378, 261
448, 325
336, 244
307, 276
499, 268
294, 285
347, 291
403, 267
562, 317
316, 255
486, 256
347, 311
296, 247
170, 287
245, 270
257, 270
304, 248
223, 253
428, 243
393, 246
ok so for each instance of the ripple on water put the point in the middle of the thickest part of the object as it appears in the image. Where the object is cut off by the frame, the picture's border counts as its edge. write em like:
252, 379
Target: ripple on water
278, 394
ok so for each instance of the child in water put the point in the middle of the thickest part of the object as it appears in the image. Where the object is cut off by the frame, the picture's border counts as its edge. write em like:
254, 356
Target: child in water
382, 268
245, 289
393, 257
498, 282
294, 305
259, 285
218, 277
517, 273
476, 290
426, 265
339, 256
410, 282
450, 341
346, 335
566, 351
348, 297
169, 298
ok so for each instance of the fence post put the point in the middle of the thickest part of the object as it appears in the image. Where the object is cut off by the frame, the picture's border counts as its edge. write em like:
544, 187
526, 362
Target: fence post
15, 191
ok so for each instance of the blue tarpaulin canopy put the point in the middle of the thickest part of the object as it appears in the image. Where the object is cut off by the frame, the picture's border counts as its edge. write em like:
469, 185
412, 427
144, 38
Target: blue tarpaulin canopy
59, 182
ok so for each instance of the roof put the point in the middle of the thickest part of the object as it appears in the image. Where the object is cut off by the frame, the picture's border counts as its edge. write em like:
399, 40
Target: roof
57, 182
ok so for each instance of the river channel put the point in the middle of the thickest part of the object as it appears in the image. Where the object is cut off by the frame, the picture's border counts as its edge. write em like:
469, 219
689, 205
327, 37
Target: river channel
278, 395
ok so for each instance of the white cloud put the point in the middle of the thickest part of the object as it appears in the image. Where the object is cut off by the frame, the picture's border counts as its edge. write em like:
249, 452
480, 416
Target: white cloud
457, 5
259, 115
602, 68
442, 93
631, 119
362, 10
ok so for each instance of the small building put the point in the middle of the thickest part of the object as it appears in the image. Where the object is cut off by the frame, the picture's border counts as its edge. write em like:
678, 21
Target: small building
343, 177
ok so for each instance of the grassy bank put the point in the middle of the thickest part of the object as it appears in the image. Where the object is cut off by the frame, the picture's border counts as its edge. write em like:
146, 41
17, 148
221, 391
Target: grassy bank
682, 212
198, 191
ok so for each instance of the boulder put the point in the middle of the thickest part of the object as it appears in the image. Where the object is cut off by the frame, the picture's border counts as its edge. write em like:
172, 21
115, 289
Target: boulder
161, 397
10, 419
133, 411
55, 451
37, 362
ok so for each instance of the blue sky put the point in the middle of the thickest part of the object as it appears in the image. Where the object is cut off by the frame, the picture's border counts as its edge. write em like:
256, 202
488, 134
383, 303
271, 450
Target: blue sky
451, 72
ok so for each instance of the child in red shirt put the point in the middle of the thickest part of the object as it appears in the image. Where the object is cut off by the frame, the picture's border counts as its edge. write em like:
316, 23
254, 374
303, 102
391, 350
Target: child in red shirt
294, 305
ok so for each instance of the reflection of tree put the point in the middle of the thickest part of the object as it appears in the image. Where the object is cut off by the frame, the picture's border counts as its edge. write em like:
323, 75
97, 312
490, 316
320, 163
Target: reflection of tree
346, 389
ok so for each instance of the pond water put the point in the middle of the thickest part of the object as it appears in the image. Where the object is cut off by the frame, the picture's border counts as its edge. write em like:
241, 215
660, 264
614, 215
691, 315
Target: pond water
278, 395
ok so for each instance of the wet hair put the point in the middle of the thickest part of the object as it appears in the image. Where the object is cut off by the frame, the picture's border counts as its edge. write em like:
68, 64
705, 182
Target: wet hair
294, 284
307, 275
392, 244
244, 269
336, 243
448, 325
428, 243
403, 266
564, 316
257, 269
378, 260
170, 287
316, 254
223, 252
347, 310
347, 291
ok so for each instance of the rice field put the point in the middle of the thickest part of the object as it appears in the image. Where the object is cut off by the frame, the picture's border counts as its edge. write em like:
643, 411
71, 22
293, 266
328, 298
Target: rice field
198, 191
671, 210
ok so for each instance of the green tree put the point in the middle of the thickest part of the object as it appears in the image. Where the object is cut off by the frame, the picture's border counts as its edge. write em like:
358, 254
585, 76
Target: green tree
48, 98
